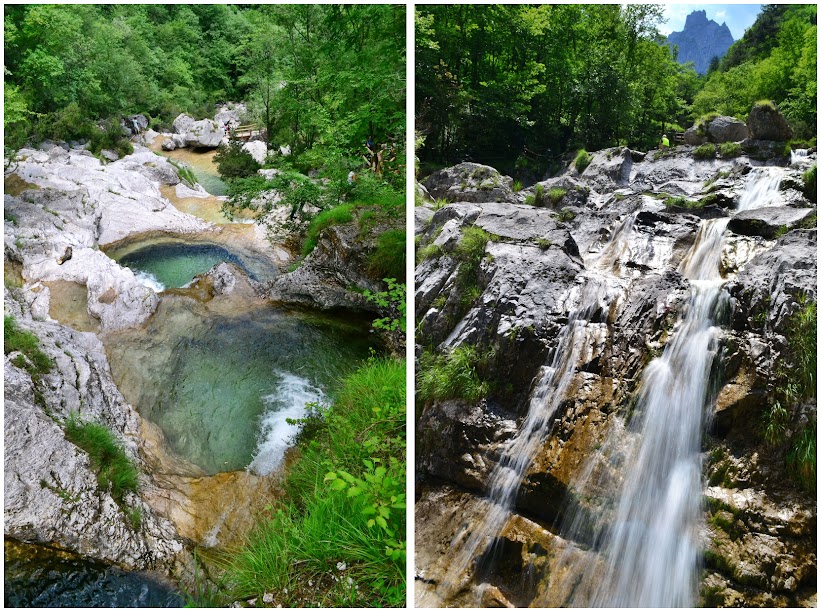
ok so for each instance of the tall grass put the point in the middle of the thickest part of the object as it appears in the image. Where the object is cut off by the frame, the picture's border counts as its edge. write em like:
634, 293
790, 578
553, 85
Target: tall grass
388, 259
583, 159
327, 218
115, 470
321, 547
450, 376
802, 458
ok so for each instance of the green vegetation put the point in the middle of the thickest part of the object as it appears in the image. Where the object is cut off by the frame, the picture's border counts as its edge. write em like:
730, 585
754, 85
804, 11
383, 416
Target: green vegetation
538, 196
555, 195
33, 359
774, 62
517, 186
705, 151
565, 214
115, 471
802, 458
450, 376
582, 160
388, 259
233, 162
184, 172
811, 183
337, 538
327, 218
730, 149
394, 302
682, 202
543, 243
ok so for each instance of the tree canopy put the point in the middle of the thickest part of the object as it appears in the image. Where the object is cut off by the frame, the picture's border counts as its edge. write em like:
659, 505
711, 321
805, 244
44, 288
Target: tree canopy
324, 75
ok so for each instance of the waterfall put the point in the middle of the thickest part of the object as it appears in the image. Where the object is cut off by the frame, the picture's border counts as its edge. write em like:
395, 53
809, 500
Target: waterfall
798, 156
552, 384
648, 546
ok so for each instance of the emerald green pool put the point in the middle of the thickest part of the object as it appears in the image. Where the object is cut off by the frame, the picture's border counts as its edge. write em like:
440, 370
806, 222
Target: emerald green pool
221, 386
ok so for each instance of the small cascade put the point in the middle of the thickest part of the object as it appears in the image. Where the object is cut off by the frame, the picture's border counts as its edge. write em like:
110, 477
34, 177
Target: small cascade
550, 389
798, 156
648, 545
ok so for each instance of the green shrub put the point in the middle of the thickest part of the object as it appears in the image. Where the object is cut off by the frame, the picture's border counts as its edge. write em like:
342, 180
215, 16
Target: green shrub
538, 195
543, 243
426, 252
325, 219
36, 362
705, 151
185, 173
555, 195
388, 259
811, 183
233, 162
471, 246
704, 121
450, 376
682, 202
115, 471
802, 458
730, 149
517, 186
765, 104
343, 515
111, 137
565, 215
530, 200
583, 159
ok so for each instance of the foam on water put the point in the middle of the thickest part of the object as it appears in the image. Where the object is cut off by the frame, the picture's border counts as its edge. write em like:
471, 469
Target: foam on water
149, 280
287, 402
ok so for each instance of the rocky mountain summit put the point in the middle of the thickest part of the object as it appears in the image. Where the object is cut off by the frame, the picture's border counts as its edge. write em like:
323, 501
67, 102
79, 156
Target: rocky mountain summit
499, 275
701, 40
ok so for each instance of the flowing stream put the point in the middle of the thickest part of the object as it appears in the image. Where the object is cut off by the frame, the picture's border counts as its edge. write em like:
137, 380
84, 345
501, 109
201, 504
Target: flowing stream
594, 300
650, 547
646, 541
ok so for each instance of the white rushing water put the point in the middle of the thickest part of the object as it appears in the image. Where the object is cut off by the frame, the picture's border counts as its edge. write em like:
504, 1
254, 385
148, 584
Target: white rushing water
287, 402
553, 382
650, 551
149, 280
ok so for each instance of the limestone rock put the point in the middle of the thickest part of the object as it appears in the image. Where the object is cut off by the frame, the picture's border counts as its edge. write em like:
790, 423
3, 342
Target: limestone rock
693, 138
256, 149
768, 221
205, 134
182, 123
168, 145
469, 182
727, 129
767, 123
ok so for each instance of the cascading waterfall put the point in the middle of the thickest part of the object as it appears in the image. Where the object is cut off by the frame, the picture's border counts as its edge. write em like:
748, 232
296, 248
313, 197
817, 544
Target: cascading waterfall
650, 550
554, 380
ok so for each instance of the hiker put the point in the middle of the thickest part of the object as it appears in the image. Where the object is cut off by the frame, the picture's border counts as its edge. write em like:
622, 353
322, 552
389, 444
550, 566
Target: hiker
351, 177
664, 143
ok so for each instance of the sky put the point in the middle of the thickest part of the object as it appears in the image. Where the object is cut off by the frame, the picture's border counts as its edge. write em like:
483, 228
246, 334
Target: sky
738, 17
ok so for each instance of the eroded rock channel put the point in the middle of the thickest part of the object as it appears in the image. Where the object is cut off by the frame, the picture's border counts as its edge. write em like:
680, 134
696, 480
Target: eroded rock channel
159, 328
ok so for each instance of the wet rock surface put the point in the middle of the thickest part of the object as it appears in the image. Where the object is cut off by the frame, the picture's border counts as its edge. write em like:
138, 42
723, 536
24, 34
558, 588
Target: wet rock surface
529, 276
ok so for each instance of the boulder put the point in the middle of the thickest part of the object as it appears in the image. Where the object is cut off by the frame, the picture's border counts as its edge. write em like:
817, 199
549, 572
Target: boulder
727, 129
168, 145
135, 124
179, 141
268, 173
205, 133
182, 123
693, 138
256, 149
768, 221
767, 123
231, 115
285, 150
469, 182
109, 155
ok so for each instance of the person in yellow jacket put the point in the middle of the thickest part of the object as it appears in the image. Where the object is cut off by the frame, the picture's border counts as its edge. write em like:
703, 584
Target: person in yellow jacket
664, 143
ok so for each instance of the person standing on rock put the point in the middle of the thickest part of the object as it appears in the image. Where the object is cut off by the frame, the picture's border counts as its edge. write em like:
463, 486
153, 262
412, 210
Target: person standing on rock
664, 143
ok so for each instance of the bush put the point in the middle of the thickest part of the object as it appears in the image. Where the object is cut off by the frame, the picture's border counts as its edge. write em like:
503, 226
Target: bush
232, 162
115, 471
811, 183
450, 376
327, 218
111, 137
583, 159
388, 259
682, 202
730, 149
36, 362
565, 215
705, 151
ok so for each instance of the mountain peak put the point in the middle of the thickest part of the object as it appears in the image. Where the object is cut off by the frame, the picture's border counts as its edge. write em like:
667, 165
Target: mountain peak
701, 40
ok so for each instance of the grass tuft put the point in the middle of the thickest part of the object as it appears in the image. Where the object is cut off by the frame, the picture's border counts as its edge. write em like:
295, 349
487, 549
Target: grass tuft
450, 376
35, 362
327, 218
115, 470
730, 149
583, 159
705, 151
388, 259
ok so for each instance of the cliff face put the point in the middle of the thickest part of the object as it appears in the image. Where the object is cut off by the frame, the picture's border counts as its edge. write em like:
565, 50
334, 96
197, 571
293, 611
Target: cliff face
701, 40
506, 316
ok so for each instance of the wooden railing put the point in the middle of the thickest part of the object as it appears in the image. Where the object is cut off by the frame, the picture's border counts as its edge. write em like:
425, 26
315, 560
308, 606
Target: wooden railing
244, 132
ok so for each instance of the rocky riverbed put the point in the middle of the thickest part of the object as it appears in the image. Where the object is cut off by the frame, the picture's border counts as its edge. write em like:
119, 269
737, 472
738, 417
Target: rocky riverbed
67, 213
606, 224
